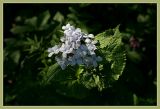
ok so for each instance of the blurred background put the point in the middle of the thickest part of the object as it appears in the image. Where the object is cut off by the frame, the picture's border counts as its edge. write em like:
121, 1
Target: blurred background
29, 29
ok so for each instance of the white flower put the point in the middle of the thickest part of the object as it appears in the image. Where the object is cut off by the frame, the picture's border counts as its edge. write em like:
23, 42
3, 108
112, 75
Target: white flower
62, 39
53, 50
85, 36
68, 32
88, 41
91, 47
50, 54
61, 62
67, 27
72, 51
91, 36
64, 55
94, 42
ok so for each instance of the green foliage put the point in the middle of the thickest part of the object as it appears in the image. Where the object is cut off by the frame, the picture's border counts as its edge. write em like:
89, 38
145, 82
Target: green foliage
66, 81
50, 72
32, 78
43, 19
113, 50
36, 23
73, 78
21, 29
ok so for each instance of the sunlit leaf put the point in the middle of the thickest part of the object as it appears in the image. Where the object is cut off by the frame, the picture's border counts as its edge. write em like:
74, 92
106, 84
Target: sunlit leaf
52, 71
113, 50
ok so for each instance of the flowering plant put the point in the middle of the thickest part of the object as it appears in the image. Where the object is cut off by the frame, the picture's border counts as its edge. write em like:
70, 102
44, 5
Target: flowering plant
89, 61
78, 75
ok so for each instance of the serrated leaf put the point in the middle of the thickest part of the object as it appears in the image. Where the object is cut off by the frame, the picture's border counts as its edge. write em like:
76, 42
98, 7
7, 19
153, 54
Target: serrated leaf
90, 81
118, 59
51, 72
102, 39
112, 49
117, 32
87, 80
110, 38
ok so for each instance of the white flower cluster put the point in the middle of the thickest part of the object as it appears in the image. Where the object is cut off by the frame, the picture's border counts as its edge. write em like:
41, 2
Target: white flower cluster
76, 48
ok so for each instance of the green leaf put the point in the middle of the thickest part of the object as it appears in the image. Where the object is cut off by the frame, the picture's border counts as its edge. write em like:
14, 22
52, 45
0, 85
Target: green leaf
87, 80
101, 82
96, 78
134, 56
21, 29
16, 56
66, 81
113, 50
118, 60
73, 10
90, 80
79, 71
31, 21
110, 38
59, 33
135, 99
49, 73
43, 19
9, 98
117, 32
32, 44
58, 17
